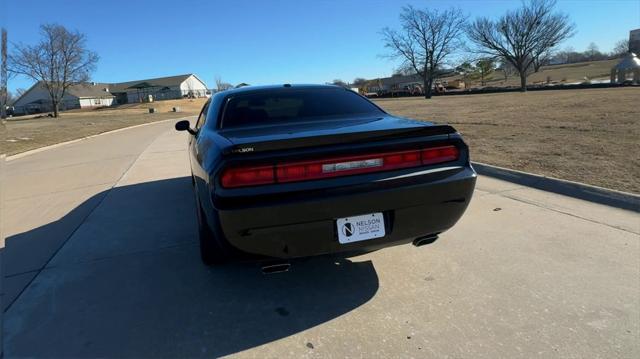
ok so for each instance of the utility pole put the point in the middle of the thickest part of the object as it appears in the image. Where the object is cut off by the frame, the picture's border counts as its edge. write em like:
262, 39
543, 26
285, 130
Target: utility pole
3, 76
3, 100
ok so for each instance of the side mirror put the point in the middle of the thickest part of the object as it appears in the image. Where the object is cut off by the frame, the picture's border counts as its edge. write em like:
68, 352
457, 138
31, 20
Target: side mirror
184, 125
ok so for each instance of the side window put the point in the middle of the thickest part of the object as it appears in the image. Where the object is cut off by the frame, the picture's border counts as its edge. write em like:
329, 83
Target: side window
203, 116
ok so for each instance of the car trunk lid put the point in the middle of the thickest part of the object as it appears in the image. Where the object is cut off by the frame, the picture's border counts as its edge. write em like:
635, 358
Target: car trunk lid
327, 132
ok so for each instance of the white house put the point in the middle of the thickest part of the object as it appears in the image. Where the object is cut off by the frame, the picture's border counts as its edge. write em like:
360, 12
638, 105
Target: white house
36, 99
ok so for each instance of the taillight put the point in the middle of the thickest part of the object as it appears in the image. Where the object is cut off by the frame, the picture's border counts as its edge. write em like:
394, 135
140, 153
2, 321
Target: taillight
336, 166
439, 154
247, 176
345, 166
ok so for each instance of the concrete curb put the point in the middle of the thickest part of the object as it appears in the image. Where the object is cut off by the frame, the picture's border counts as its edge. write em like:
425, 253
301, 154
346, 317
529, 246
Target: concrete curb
45, 148
609, 197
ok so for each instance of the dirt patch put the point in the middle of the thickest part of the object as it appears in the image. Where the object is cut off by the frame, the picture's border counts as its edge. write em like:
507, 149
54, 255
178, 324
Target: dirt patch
590, 136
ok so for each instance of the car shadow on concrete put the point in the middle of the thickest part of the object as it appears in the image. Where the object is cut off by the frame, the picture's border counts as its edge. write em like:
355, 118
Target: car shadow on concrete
129, 283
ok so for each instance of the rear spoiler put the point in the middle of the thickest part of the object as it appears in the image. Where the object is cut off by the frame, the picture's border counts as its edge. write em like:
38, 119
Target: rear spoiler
353, 137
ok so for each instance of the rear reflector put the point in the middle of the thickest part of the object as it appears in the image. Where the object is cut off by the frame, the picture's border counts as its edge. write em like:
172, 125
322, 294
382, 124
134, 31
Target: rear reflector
336, 167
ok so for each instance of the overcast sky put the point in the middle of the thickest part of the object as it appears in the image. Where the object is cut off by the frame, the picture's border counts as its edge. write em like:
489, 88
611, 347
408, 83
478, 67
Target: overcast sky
262, 42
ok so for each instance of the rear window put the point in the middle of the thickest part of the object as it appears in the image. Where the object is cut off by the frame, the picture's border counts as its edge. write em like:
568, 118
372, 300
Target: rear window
294, 105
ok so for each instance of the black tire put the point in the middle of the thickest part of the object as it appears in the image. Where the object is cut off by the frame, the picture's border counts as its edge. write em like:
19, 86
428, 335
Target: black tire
211, 252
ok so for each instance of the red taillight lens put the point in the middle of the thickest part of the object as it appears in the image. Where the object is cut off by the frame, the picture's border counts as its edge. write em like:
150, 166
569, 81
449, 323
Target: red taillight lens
298, 172
247, 176
344, 166
439, 154
336, 167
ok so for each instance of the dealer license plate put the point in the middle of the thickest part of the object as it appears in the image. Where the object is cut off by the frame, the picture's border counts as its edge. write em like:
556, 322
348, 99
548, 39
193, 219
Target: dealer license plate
360, 228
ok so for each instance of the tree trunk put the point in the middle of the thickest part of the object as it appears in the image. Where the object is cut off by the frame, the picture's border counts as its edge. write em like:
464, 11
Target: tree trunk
427, 89
523, 81
55, 108
3, 103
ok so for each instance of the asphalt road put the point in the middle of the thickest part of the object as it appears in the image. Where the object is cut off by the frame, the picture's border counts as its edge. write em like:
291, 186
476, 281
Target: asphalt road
101, 260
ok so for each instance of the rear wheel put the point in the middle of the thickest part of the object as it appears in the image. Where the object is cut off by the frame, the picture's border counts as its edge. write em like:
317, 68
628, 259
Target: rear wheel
211, 252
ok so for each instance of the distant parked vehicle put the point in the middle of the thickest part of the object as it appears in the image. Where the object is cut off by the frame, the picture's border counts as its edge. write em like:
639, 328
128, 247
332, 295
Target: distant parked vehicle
290, 171
9, 110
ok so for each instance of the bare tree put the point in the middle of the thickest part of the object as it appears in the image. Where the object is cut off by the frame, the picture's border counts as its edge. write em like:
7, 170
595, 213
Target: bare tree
466, 70
221, 85
522, 36
11, 97
191, 90
19, 92
620, 48
358, 82
485, 68
507, 70
59, 61
563, 56
540, 59
4, 93
339, 82
592, 51
404, 70
427, 37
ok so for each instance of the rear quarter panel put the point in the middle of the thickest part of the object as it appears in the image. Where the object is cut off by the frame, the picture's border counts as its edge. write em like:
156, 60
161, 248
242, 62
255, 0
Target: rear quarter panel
206, 152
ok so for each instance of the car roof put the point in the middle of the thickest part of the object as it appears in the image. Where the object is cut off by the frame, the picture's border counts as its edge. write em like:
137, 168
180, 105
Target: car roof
249, 89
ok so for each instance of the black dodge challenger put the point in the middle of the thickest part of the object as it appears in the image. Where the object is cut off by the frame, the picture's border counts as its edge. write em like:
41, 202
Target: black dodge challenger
300, 170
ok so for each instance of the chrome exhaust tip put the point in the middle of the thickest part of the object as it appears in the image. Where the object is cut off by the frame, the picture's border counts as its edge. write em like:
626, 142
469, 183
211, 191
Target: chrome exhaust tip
421, 241
272, 268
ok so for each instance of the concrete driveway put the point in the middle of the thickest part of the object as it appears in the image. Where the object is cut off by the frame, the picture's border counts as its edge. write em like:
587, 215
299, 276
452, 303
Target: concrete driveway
101, 260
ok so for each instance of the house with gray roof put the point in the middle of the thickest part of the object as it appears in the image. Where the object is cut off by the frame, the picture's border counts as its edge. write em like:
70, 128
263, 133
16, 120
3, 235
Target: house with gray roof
36, 99
87, 95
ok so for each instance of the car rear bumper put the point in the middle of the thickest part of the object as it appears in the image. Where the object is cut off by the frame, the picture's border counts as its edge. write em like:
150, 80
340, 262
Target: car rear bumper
413, 207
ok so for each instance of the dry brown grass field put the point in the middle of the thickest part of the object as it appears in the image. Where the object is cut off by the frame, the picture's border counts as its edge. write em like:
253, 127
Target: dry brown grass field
29, 132
590, 135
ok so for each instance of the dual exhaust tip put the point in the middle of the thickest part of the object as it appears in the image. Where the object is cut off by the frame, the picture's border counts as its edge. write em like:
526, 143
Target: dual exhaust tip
421, 241
276, 267
281, 267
